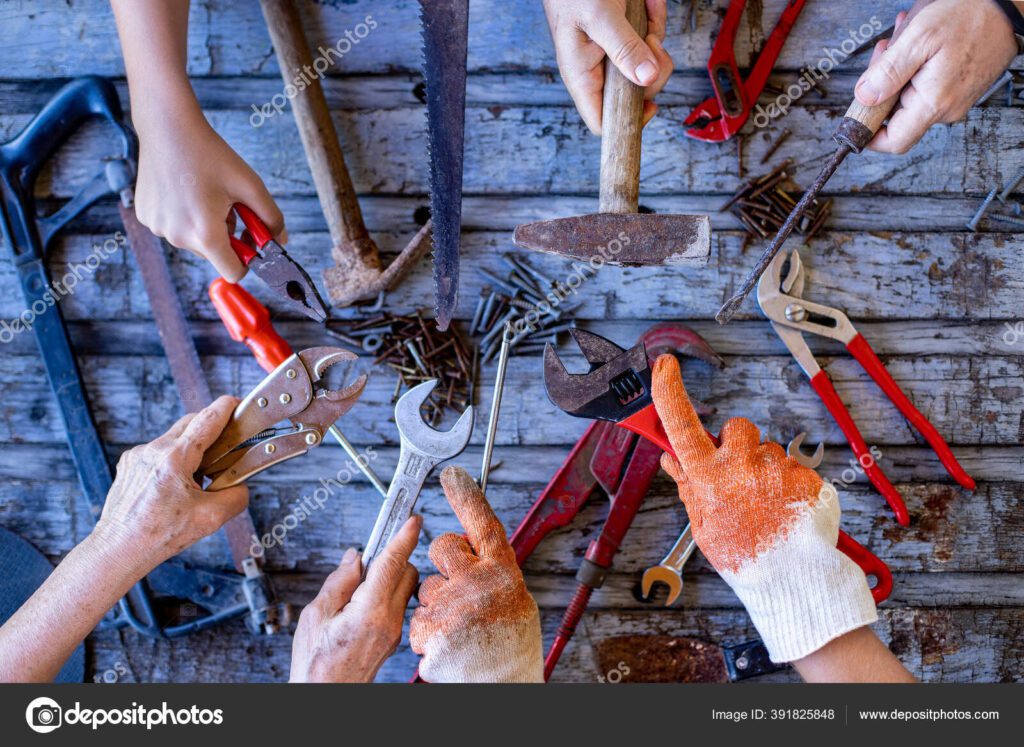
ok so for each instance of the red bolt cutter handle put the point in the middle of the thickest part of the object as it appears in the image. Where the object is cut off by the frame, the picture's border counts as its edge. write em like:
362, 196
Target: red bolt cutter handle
822, 384
861, 350
646, 423
248, 321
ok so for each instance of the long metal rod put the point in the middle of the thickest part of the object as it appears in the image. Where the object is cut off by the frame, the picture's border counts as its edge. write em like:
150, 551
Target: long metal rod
729, 307
361, 463
499, 386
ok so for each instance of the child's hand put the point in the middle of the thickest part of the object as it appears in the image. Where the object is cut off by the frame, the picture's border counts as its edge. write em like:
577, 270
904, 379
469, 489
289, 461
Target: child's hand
188, 180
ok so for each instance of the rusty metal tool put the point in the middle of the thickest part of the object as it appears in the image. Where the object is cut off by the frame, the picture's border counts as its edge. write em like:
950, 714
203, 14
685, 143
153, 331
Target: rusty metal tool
272, 264
294, 391
859, 126
445, 47
422, 448
723, 115
670, 570
618, 233
248, 321
358, 274
793, 451
665, 658
623, 467
617, 388
781, 300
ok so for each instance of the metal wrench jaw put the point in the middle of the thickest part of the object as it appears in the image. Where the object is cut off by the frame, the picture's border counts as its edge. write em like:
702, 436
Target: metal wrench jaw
660, 574
420, 437
793, 451
613, 390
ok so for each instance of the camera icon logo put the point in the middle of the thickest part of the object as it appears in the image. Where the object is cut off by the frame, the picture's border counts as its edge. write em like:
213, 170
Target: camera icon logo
44, 715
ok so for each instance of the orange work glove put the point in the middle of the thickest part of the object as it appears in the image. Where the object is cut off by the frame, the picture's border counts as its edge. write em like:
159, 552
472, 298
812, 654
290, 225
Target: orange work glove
476, 621
766, 523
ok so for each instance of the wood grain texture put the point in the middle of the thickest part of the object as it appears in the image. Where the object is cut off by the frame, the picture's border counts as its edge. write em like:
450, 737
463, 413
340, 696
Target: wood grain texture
941, 305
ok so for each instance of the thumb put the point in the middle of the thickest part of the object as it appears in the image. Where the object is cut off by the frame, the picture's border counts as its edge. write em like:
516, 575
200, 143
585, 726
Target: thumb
623, 45
892, 70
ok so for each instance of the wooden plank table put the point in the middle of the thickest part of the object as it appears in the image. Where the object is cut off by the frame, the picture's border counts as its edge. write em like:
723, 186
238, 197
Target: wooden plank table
940, 304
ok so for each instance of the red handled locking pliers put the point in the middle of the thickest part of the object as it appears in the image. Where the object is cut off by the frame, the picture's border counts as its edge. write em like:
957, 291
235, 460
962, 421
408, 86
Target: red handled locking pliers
781, 301
720, 117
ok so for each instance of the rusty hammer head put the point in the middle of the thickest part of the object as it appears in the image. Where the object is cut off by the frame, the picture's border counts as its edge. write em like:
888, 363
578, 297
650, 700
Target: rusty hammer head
357, 274
618, 234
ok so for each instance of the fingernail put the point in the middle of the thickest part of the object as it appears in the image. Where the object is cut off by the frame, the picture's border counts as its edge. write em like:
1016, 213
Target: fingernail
646, 72
349, 557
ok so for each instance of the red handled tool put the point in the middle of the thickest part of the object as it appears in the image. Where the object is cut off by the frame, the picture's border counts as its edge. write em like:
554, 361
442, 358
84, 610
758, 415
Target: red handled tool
782, 302
618, 388
268, 259
248, 321
720, 117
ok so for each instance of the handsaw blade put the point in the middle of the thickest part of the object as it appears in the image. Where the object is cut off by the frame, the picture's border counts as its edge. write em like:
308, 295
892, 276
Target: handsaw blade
445, 47
180, 350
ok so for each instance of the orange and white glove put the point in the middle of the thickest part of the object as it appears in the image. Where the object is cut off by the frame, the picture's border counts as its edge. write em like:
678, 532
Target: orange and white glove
766, 523
476, 621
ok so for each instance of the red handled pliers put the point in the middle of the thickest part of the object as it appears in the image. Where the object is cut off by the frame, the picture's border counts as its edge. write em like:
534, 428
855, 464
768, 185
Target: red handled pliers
268, 259
720, 117
781, 301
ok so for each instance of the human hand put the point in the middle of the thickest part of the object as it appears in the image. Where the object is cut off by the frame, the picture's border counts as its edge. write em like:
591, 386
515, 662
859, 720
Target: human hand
476, 621
155, 508
350, 629
767, 524
946, 53
188, 180
587, 31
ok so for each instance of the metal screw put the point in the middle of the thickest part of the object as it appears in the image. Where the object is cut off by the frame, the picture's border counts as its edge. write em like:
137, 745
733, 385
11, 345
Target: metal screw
290, 373
1007, 219
270, 448
973, 223
742, 662
311, 438
796, 313
285, 398
262, 402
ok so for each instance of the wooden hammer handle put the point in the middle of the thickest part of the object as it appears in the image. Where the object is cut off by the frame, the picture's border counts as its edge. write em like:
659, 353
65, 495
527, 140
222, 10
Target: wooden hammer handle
622, 129
319, 138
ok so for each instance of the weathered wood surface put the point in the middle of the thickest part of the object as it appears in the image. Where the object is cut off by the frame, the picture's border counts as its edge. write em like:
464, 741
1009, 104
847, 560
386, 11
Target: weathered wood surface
940, 304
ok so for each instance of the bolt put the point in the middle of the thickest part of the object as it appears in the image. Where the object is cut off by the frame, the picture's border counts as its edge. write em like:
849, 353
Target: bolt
742, 662
311, 439
796, 313
285, 398
1007, 219
262, 402
986, 203
290, 373
270, 448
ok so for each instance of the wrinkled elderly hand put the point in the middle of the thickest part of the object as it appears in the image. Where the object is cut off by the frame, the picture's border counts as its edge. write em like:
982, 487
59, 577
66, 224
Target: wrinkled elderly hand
155, 509
949, 52
476, 621
767, 524
350, 629
587, 31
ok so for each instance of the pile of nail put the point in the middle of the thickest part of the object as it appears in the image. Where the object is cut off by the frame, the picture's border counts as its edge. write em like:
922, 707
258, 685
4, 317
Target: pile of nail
1009, 189
527, 300
762, 205
417, 352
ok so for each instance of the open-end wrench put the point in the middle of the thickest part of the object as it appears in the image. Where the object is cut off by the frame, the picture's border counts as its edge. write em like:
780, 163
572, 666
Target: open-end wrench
794, 452
670, 570
422, 449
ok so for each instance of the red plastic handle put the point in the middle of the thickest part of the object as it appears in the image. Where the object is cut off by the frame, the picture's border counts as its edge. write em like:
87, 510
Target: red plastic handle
646, 423
870, 563
248, 321
821, 383
256, 227
861, 350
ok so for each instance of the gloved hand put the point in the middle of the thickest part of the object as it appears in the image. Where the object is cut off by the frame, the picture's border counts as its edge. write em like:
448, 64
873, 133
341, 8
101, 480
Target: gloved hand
476, 621
767, 524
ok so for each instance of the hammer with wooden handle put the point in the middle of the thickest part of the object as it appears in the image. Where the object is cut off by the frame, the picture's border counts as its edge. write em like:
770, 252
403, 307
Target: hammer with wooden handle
357, 274
618, 233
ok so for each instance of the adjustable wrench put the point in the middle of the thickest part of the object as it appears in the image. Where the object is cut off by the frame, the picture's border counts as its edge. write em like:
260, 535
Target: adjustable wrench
422, 449
670, 570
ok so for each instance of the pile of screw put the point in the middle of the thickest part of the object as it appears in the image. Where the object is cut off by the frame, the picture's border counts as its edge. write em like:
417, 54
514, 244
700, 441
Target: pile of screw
762, 205
1003, 196
417, 352
525, 298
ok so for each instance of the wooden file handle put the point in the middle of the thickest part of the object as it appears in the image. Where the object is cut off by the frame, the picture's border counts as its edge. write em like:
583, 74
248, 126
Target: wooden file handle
622, 129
